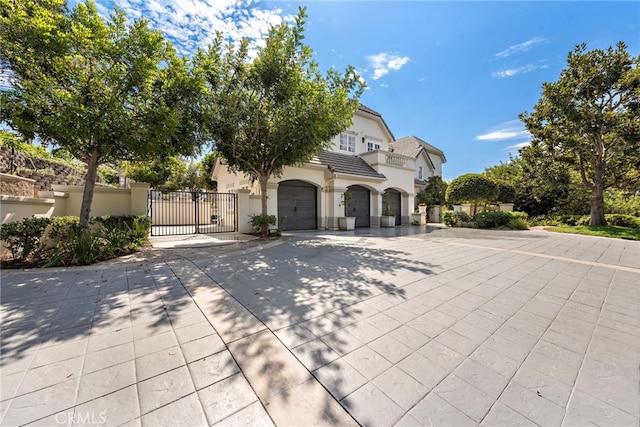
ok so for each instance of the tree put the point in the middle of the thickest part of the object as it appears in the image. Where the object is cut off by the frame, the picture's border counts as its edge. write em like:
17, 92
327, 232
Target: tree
168, 174
590, 118
105, 90
474, 188
278, 110
206, 167
434, 192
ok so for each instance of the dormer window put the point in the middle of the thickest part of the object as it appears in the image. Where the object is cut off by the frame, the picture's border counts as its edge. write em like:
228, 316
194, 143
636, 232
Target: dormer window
420, 173
372, 146
347, 142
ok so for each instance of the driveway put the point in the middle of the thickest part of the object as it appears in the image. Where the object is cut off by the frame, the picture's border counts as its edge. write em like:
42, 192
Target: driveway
374, 327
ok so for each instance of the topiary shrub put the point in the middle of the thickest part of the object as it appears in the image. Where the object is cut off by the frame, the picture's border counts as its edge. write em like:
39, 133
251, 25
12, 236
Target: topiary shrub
474, 188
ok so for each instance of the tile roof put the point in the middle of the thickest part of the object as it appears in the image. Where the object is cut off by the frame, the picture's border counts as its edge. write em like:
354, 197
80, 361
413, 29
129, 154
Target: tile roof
349, 164
411, 146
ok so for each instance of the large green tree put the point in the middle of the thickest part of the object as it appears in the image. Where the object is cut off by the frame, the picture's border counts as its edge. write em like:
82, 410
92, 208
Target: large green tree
590, 118
103, 89
474, 188
278, 109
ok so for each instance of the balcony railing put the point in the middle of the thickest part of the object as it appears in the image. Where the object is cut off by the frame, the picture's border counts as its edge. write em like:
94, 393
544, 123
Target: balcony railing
378, 158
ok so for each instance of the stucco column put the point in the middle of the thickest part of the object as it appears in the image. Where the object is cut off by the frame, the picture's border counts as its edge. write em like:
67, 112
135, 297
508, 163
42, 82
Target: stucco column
334, 208
243, 211
408, 202
376, 208
139, 198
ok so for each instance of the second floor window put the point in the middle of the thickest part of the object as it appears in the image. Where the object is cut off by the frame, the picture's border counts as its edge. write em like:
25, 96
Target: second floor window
372, 146
420, 172
347, 142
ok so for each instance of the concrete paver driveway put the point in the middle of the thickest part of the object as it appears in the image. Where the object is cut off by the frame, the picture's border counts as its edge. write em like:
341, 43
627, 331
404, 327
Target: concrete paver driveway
373, 327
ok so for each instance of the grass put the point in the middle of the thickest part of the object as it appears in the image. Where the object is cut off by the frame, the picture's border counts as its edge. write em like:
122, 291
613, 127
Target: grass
600, 230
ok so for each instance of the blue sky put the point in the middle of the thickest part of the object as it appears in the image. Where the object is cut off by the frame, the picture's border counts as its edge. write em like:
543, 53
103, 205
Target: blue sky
455, 74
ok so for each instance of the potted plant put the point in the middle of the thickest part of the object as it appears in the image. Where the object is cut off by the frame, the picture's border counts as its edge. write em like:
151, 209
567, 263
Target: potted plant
388, 218
346, 222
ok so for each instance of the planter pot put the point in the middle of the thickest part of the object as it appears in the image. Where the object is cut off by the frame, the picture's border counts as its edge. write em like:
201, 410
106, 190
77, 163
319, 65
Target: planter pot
387, 221
347, 222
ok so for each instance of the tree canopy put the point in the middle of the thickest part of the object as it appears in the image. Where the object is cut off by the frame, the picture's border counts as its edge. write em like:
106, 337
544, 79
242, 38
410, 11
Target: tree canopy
104, 90
276, 110
474, 188
590, 119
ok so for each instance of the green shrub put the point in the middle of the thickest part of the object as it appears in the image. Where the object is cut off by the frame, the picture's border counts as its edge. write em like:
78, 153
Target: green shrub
518, 224
497, 219
61, 240
449, 218
453, 219
258, 221
23, 237
622, 220
83, 247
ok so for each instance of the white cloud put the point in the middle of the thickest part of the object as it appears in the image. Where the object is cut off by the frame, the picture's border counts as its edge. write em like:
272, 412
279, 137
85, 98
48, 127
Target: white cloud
517, 146
194, 23
510, 72
383, 63
522, 47
513, 129
383, 85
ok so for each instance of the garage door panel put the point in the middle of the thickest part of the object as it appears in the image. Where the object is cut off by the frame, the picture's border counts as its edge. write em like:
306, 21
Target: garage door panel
297, 203
360, 205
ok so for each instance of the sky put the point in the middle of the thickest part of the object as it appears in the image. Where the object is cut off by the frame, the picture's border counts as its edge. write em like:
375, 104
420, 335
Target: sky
455, 74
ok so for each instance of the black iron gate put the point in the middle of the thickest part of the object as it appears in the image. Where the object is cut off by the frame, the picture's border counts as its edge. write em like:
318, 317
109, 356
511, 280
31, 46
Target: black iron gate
192, 212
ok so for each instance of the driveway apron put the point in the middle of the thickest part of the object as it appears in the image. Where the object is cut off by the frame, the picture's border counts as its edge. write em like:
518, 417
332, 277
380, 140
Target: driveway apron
413, 326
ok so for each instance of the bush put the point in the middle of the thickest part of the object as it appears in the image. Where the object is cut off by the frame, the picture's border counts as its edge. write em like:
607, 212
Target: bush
622, 220
518, 224
258, 221
61, 240
497, 219
23, 237
453, 219
619, 220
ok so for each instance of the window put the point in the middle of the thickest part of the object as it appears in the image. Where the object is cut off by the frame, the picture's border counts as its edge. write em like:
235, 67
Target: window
372, 146
420, 172
347, 142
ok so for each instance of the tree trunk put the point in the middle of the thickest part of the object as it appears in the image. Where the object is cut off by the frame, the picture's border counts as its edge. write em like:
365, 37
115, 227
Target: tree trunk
263, 198
89, 186
596, 203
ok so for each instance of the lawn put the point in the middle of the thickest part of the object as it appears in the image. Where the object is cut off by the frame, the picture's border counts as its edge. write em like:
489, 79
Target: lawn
600, 230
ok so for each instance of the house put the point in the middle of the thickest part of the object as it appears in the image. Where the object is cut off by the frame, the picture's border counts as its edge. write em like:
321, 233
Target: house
363, 160
428, 159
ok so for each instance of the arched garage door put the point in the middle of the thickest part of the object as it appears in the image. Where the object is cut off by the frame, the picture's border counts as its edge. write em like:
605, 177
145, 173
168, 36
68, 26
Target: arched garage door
297, 202
394, 198
360, 204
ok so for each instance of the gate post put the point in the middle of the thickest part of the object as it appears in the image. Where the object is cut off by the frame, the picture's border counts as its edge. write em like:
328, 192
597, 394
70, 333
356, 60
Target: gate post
243, 211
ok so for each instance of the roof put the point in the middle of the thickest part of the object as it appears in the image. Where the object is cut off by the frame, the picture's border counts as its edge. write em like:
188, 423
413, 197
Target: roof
348, 164
411, 146
368, 110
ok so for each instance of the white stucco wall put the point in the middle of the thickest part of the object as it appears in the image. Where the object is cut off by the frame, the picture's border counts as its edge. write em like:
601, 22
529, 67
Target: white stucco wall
368, 127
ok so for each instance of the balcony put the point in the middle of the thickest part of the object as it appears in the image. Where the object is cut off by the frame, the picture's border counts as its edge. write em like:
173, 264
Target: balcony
380, 158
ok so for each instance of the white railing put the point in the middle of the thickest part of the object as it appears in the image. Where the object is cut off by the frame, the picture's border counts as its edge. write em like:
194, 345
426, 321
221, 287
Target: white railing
395, 160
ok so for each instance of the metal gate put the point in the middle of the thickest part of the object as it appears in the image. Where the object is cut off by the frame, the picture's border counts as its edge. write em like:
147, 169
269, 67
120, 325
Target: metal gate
192, 212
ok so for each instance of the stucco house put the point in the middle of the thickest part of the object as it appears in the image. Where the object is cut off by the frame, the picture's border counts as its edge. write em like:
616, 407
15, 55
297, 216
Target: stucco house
428, 159
363, 160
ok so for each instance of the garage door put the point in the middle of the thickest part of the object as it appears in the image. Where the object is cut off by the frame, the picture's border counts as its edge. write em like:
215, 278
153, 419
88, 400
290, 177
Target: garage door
297, 203
393, 196
360, 203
